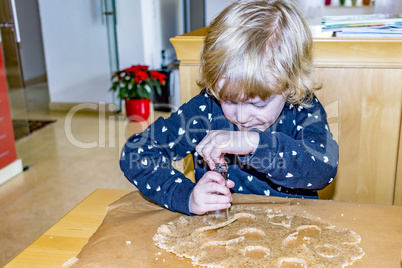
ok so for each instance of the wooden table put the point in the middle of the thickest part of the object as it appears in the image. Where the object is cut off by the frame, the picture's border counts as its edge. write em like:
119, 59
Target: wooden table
65, 239
379, 226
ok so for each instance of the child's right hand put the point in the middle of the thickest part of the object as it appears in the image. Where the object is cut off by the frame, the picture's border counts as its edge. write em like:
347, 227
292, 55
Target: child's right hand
211, 192
217, 143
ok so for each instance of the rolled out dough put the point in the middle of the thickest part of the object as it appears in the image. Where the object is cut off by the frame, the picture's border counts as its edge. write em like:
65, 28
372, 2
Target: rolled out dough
255, 237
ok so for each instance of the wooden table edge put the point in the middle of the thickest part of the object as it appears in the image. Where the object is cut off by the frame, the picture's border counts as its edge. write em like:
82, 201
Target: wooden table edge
104, 197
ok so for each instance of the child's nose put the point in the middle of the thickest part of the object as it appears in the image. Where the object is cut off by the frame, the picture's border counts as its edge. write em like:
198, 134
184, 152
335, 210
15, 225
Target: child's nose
243, 116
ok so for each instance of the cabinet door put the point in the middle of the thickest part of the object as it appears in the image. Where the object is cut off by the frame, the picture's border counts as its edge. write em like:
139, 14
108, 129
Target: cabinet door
364, 111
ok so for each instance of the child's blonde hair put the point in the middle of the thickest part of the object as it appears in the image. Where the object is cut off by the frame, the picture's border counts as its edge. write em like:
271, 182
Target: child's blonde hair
259, 48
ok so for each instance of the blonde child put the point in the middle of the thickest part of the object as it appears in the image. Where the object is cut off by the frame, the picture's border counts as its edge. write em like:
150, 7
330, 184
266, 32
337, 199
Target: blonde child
257, 112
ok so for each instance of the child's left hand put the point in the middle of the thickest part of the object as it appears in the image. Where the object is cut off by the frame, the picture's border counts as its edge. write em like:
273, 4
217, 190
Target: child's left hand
217, 143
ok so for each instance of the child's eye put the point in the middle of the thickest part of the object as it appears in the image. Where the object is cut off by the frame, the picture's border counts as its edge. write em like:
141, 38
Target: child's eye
259, 106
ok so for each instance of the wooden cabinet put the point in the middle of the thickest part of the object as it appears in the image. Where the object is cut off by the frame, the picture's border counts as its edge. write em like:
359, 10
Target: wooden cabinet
362, 94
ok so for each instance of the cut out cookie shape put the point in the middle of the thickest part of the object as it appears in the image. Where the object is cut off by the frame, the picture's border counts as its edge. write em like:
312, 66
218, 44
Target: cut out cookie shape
256, 252
260, 238
303, 235
328, 251
252, 233
280, 219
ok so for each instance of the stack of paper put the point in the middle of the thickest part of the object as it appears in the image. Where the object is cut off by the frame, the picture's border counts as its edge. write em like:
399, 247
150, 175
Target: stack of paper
375, 25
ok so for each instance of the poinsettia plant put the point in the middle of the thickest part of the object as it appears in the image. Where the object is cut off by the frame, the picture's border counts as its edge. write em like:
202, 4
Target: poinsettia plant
137, 82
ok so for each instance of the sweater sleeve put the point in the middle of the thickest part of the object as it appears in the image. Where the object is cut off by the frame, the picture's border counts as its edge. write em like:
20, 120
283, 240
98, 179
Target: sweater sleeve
304, 155
146, 158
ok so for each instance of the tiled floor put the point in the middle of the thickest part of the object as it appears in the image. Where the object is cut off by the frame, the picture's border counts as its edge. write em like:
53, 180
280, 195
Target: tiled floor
67, 161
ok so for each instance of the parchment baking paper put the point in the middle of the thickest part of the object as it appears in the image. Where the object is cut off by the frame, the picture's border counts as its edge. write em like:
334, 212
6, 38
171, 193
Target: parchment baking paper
124, 238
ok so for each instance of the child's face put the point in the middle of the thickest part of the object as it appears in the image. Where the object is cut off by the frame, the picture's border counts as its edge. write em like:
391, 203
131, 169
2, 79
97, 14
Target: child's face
254, 113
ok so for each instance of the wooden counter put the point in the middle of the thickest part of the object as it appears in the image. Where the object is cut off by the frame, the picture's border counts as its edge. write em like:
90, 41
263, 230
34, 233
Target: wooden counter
362, 94
378, 225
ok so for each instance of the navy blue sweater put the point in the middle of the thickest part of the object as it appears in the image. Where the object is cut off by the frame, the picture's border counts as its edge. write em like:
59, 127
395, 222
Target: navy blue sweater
296, 156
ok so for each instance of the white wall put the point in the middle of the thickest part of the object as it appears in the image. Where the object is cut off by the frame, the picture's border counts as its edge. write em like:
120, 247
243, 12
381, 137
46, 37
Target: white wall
151, 28
214, 7
159, 24
31, 46
144, 28
76, 48
76, 53
129, 32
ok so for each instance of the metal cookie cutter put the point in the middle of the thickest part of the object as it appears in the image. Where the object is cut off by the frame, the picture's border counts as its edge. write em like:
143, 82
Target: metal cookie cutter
223, 214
